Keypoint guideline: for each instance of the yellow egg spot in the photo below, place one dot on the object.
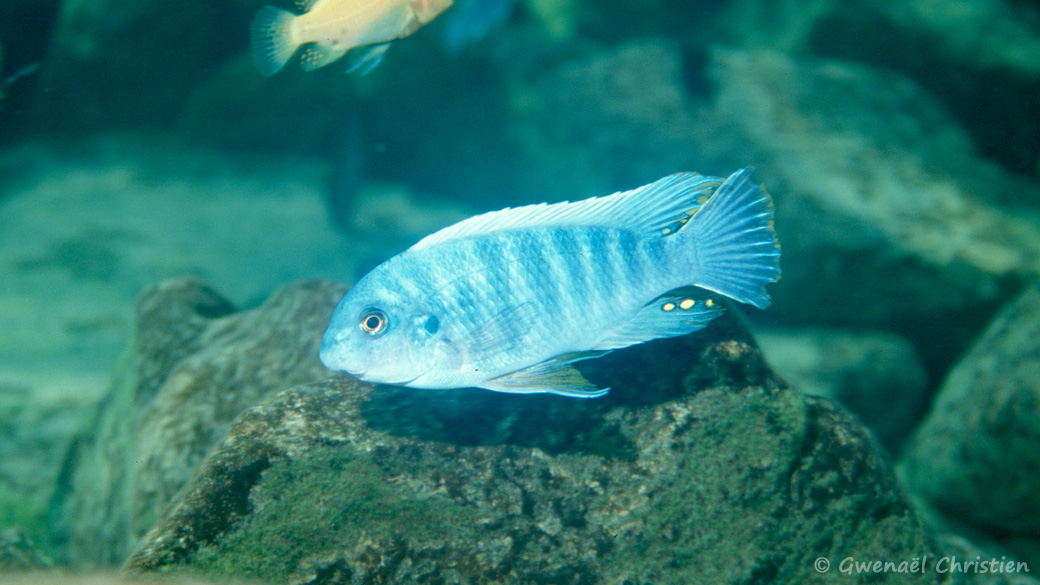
(709, 303)
(666, 231)
(686, 304)
(668, 306)
(703, 199)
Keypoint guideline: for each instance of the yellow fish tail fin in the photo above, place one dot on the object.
(272, 39)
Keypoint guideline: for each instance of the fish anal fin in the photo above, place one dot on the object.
(369, 58)
(316, 55)
(553, 376)
(670, 315)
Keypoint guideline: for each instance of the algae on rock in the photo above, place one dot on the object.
(700, 463)
(196, 364)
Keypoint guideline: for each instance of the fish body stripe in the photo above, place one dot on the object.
(568, 274)
(562, 302)
(586, 282)
(508, 299)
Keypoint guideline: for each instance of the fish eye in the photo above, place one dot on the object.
(433, 325)
(373, 322)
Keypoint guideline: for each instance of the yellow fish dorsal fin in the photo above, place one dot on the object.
(305, 5)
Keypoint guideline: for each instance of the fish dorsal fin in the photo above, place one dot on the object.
(660, 208)
(305, 5)
(553, 376)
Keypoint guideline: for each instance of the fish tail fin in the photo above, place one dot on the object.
(736, 246)
(271, 37)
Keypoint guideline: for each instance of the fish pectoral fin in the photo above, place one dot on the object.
(502, 331)
(669, 315)
(316, 56)
(553, 376)
(369, 59)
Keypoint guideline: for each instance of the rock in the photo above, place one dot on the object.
(37, 421)
(89, 223)
(963, 542)
(543, 119)
(64, 577)
(18, 553)
(606, 120)
(700, 465)
(975, 457)
(1002, 569)
(875, 375)
(196, 365)
(887, 218)
(981, 58)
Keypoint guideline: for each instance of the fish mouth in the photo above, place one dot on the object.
(360, 375)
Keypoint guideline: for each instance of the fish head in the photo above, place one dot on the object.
(378, 334)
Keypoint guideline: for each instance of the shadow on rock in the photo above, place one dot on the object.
(659, 371)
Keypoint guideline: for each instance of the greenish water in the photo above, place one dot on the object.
(139, 143)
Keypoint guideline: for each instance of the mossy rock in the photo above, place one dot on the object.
(700, 466)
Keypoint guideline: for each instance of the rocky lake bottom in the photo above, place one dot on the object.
(171, 250)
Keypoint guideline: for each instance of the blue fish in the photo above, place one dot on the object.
(509, 300)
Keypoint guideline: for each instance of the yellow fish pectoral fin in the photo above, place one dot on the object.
(316, 56)
(554, 376)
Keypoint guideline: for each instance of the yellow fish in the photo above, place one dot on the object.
(330, 28)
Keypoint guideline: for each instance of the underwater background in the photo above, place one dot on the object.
(175, 229)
